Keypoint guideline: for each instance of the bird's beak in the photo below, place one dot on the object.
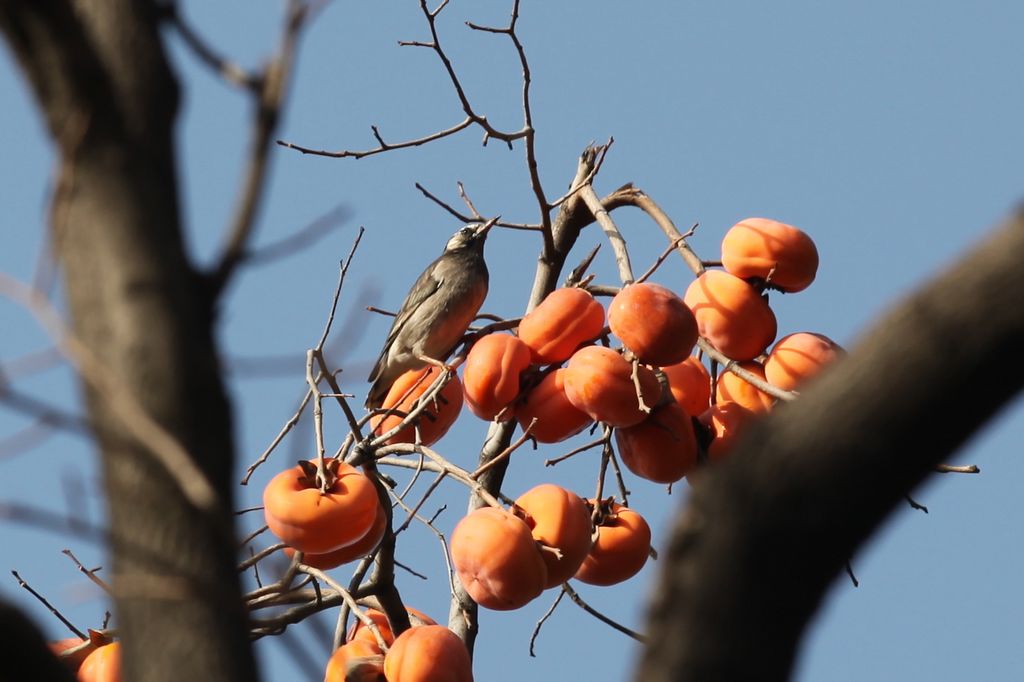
(483, 229)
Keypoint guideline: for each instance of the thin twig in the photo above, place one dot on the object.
(288, 425)
(606, 454)
(530, 137)
(232, 73)
(43, 412)
(466, 218)
(543, 619)
(422, 403)
(598, 154)
(664, 256)
(849, 572)
(640, 398)
(260, 556)
(429, 523)
(410, 570)
(600, 616)
(337, 289)
(914, 504)
(253, 535)
(46, 519)
(23, 440)
(341, 398)
(381, 311)
(301, 239)
(412, 481)
(506, 452)
(382, 146)
(353, 606)
(619, 480)
(953, 469)
(31, 363)
(89, 573)
(456, 472)
(751, 378)
(583, 448)
(469, 202)
(412, 513)
(576, 275)
(60, 616)
(269, 101)
(255, 567)
(635, 197)
(435, 45)
(318, 422)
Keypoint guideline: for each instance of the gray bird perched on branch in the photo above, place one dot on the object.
(437, 311)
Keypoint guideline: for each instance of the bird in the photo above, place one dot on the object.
(437, 310)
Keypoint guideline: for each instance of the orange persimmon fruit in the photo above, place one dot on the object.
(558, 518)
(102, 665)
(428, 653)
(497, 560)
(356, 550)
(565, 319)
(661, 448)
(72, 651)
(690, 384)
(756, 247)
(358, 631)
(621, 548)
(310, 521)
(491, 377)
(725, 422)
(731, 388)
(557, 418)
(798, 357)
(731, 314)
(434, 421)
(653, 322)
(356, 661)
(599, 382)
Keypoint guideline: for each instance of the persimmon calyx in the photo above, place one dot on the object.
(603, 511)
(311, 475)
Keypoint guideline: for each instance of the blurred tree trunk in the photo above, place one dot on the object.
(763, 536)
(101, 77)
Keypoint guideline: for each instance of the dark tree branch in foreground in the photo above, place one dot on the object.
(765, 534)
(29, 657)
(109, 98)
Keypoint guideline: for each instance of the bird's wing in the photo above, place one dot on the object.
(425, 287)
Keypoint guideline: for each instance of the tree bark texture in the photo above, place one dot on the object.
(764, 535)
(100, 74)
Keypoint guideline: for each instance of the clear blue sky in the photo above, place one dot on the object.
(888, 131)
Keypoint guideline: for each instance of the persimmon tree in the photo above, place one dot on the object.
(734, 595)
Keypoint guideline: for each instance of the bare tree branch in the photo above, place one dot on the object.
(382, 145)
(268, 102)
(228, 70)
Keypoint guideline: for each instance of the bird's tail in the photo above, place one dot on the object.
(378, 391)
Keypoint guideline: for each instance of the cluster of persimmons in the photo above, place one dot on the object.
(558, 373)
